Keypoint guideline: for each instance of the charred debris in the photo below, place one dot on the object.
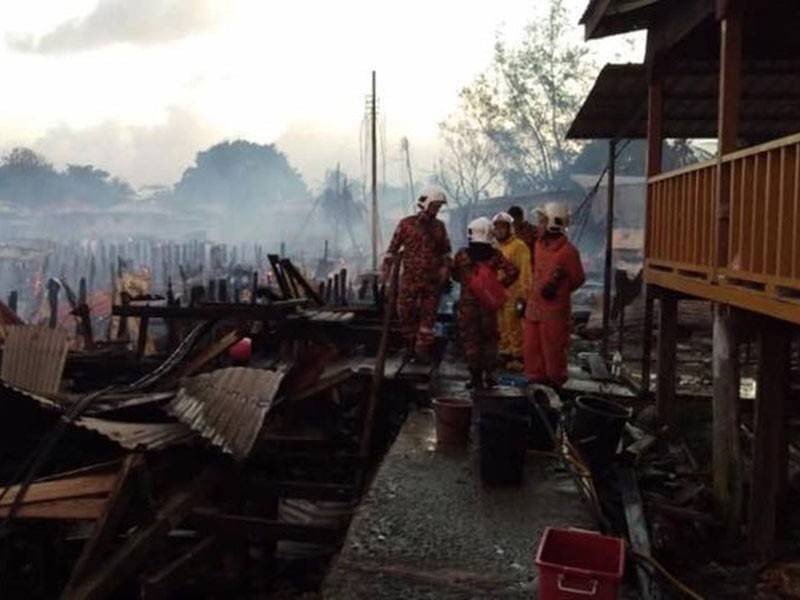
(194, 438)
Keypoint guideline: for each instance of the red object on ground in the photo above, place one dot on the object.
(487, 288)
(241, 352)
(575, 565)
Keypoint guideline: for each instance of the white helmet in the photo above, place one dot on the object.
(432, 194)
(557, 215)
(480, 231)
(503, 217)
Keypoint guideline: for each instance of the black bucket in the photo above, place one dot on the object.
(596, 429)
(502, 443)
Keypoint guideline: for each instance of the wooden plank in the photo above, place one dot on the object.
(252, 312)
(65, 509)
(165, 582)
(769, 468)
(73, 487)
(637, 530)
(647, 341)
(209, 353)
(727, 461)
(238, 526)
(667, 361)
(107, 524)
(126, 561)
(301, 281)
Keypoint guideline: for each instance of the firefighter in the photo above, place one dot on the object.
(477, 321)
(523, 229)
(509, 318)
(557, 272)
(425, 247)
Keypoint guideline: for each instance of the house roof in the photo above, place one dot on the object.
(616, 105)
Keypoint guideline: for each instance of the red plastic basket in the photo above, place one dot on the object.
(576, 565)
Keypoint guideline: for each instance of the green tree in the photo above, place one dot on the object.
(241, 175)
(525, 102)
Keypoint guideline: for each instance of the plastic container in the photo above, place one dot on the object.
(452, 419)
(539, 436)
(596, 429)
(577, 565)
(241, 352)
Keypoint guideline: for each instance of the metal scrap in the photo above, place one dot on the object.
(228, 406)
(34, 358)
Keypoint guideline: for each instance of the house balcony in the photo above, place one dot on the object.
(749, 257)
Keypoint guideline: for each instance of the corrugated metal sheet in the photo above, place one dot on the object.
(139, 436)
(228, 407)
(131, 436)
(34, 358)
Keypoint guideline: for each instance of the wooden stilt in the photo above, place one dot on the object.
(647, 340)
(667, 347)
(769, 443)
(725, 439)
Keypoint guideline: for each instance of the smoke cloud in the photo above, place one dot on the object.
(156, 154)
(121, 21)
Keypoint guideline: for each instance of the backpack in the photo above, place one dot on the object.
(485, 286)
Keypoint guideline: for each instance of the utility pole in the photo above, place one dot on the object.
(373, 108)
(405, 147)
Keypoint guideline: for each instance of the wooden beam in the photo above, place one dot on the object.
(655, 125)
(638, 534)
(105, 528)
(591, 21)
(73, 487)
(126, 561)
(727, 460)
(730, 95)
(647, 341)
(209, 312)
(609, 250)
(770, 448)
(165, 582)
(62, 509)
(667, 361)
(673, 25)
(237, 526)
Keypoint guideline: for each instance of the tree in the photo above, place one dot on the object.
(241, 175)
(470, 167)
(527, 99)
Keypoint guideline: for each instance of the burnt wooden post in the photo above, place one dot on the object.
(222, 286)
(141, 341)
(53, 288)
(212, 290)
(725, 429)
(13, 299)
(254, 287)
(343, 285)
(667, 361)
(337, 291)
(770, 449)
(122, 330)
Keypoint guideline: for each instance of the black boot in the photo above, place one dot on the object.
(475, 379)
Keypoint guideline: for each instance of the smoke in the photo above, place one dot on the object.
(155, 154)
(122, 21)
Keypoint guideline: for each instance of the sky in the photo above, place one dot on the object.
(137, 87)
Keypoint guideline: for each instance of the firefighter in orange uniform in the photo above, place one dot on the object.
(557, 272)
(477, 324)
(425, 247)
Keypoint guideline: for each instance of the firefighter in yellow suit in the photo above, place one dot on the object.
(509, 318)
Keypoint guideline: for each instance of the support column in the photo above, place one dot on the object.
(726, 447)
(647, 342)
(612, 159)
(667, 361)
(769, 474)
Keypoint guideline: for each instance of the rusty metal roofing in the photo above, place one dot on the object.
(131, 436)
(616, 105)
(34, 358)
(139, 436)
(228, 406)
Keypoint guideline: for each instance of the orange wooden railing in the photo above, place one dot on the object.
(758, 251)
(680, 219)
